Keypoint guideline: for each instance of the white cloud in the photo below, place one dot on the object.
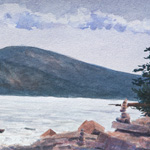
(139, 26)
(16, 16)
(101, 47)
(11, 8)
(82, 16)
(110, 48)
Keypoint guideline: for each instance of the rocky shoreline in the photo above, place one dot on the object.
(94, 138)
(90, 135)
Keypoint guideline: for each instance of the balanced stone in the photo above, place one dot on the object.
(124, 106)
(125, 118)
(81, 138)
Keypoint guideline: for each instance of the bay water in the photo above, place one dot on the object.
(17, 114)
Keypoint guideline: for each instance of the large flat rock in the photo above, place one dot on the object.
(139, 141)
(108, 142)
(142, 129)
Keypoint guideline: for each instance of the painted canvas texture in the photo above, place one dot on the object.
(64, 67)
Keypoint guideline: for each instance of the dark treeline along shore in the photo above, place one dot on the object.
(30, 71)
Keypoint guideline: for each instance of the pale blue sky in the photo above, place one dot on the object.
(109, 33)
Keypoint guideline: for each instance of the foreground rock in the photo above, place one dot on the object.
(118, 140)
(91, 127)
(69, 141)
(141, 142)
(137, 133)
(142, 121)
(48, 133)
(108, 142)
(134, 128)
(62, 141)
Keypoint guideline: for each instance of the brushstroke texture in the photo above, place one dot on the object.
(33, 71)
(82, 19)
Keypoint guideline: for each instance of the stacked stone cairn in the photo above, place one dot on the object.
(81, 138)
(125, 118)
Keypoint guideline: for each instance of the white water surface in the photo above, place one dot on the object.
(59, 114)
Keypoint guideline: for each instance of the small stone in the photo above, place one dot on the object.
(123, 120)
(81, 138)
(124, 106)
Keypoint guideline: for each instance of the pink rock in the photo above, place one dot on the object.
(91, 127)
(139, 141)
(117, 144)
(142, 121)
(107, 142)
(49, 132)
(135, 128)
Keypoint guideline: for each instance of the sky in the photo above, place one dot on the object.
(109, 33)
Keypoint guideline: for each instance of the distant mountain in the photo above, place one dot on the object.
(36, 72)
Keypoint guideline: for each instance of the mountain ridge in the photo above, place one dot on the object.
(37, 72)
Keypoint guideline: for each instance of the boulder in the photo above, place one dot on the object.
(49, 132)
(140, 141)
(91, 127)
(102, 140)
(143, 130)
(118, 144)
(142, 121)
(107, 142)
(125, 118)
